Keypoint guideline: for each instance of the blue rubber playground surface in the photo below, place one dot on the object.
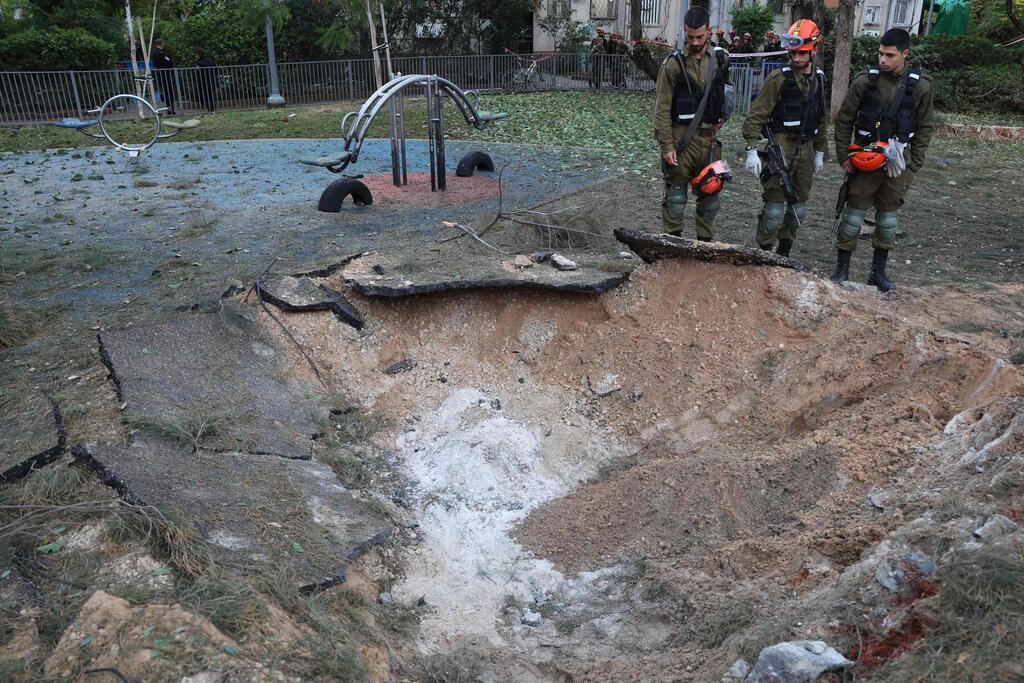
(85, 230)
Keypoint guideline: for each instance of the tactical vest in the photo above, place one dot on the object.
(687, 93)
(874, 125)
(796, 114)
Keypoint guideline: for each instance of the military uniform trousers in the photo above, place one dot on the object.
(800, 156)
(874, 190)
(691, 161)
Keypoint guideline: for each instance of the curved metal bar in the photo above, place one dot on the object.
(136, 149)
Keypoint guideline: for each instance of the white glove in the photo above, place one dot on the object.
(753, 162)
(895, 163)
(819, 162)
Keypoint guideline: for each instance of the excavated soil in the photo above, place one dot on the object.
(621, 486)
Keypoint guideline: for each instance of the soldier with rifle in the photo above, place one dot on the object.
(887, 109)
(790, 113)
(690, 106)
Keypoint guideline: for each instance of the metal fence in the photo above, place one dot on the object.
(47, 96)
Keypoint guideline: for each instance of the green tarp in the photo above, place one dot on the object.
(953, 17)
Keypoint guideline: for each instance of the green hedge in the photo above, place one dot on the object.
(222, 34)
(931, 54)
(977, 89)
(55, 49)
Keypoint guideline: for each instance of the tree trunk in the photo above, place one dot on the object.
(844, 51)
(1012, 16)
(373, 44)
(640, 52)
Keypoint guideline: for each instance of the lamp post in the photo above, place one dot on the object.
(275, 99)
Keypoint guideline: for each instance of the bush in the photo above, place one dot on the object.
(932, 54)
(973, 89)
(222, 34)
(755, 20)
(55, 49)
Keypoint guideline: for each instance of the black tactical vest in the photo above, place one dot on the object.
(796, 114)
(687, 93)
(875, 125)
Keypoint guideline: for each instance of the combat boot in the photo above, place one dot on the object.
(842, 271)
(877, 276)
(784, 247)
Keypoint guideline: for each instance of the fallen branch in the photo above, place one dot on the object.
(558, 227)
(472, 233)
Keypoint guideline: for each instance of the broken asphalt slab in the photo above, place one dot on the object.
(213, 376)
(253, 508)
(31, 435)
(300, 294)
(384, 275)
(651, 247)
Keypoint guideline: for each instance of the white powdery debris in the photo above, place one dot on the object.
(808, 296)
(478, 473)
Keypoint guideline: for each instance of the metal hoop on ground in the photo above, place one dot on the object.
(133, 149)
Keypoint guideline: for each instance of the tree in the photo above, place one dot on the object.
(567, 33)
(844, 51)
(641, 53)
(755, 20)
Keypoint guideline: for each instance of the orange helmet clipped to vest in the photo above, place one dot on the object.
(802, 36)
(711, 177)
(870, 158)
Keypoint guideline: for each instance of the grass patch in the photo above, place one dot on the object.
(168, 536)
(230, 602)
(18, 324)
(966, 326)
(185, 184)
(980, 614)
(191, 431)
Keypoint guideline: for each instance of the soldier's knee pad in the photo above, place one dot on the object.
(886, 223)
(709, 205)
(772, 215)
(800, 210)
(849, 228)
(675, 201)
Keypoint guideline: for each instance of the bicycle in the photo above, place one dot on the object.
(525, 77)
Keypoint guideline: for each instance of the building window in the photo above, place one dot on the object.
(871, 15)
(900, 13)
(558, 7)
(602, 9)
(650, 12)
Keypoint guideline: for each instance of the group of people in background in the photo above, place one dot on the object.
(206, 84)
(744, 43)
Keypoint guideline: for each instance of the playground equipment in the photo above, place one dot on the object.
(355, 125)
(122, 102)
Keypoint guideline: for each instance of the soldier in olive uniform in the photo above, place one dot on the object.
(887, 108)
(792, 104)
(679, 93)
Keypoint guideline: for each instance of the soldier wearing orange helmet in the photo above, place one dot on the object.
(886, 110)
(792, 104)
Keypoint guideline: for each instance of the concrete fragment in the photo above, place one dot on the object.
(343, 308)
(386, 599)
(297, 295)
(562, 263)
(522, 261)
(212, 370)
(737, 672)
(880, 499)
(532, 619)
(541, 256)
(996, 526)
(796, 661)
(31, 435)
(249, 508)
(606, 386)
(892, 573)
(400, 366)
(626, 255)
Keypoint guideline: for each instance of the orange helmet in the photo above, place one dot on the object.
(870, 158)
(711, 177)
(802, 36)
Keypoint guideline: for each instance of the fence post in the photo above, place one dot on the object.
(177, 90)
(423, 66)
(490, 69)
(351, 86)
(74, 88)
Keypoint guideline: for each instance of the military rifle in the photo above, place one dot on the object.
(776, 165)
(844, 192)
